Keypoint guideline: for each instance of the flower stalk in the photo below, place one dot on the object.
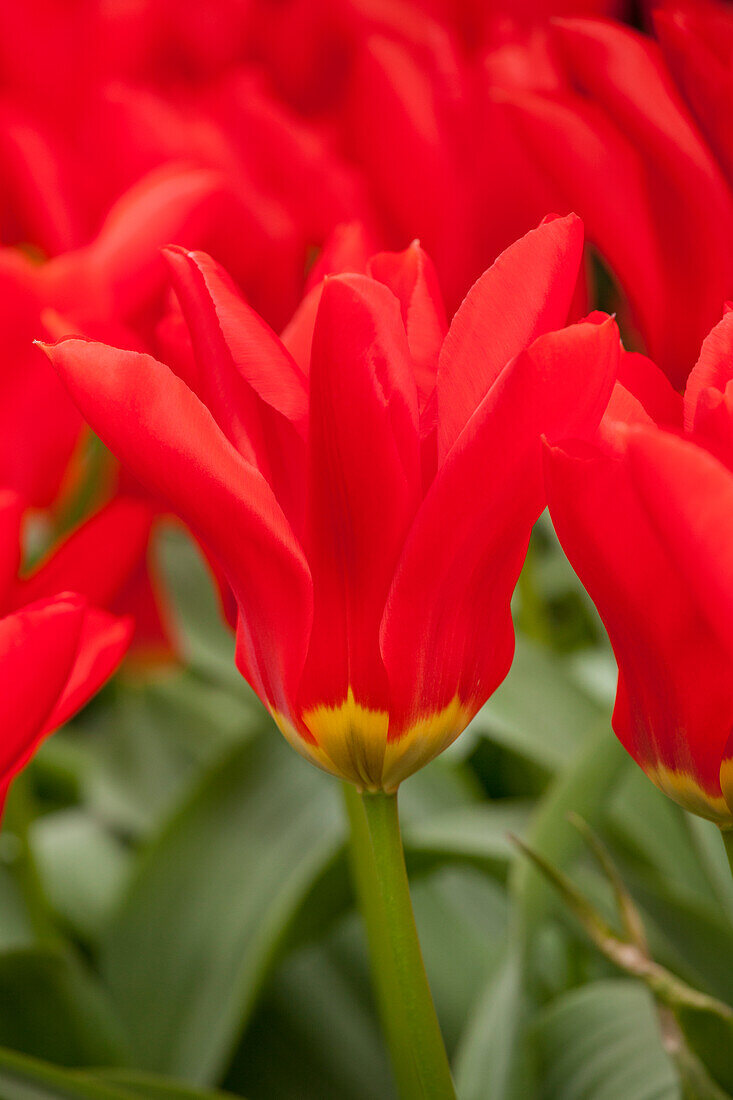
(407, 1011)
(727, 835)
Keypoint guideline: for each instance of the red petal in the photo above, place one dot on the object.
(527, 292)
(169, 441)
(245, 377)
(713, 369)
(674, 706)
(11, 513)
(97, 558)
(688, 495)
(103, 642)
(410, 275)
(38, 646)
(447, 628)
(364, 482)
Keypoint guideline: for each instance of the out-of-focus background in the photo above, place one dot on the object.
(176, 916)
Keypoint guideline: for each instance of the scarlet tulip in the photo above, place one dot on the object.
(646, 518)
(617, 141)
(371, 520)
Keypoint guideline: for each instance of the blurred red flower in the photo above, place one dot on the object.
(57, 647)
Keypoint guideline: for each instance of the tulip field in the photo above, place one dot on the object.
(366, 550)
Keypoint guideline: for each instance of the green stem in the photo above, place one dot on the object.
(727, 835)
(416, 1040)
(384, 979)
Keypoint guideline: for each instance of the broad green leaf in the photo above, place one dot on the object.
(23, 1078)
(52, 1008)
(494, 1048)
(315, 1035)
(461, 918)
(687, 936)
(495, 1057)
(149, 741)
(656, 836)
(602, 1042)
(539, 712)
(82, 867)
(195, 936)
(206, 640)
(153, 1087)
(477, 834)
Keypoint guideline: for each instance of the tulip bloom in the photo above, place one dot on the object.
(56, 648)
(372, 518)
(619, 143)
(646, 518)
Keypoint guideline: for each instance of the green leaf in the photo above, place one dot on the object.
(461, 918)
(315, 1035)
(602, 1042)
(146, 742)
(539, 712)
(205, 638)
(82, 867)
(152, 1087)
(495, 1059)
(475, 834)
(186, 955)
(52, 1008)
(23, 1078)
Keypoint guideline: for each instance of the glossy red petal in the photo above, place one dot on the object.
(688, 496)
(412, 278)
(713, 369)
(674, 705)
(103, 642)
(11, 513)
(38, 647)
(447, 630)
(170, 442)
(365, 482)
(245, 377)
(96, 559)
(526, 292)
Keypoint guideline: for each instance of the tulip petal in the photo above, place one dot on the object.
(103, 642)
(713, 369)
(688, 496)
(526, 292)
(365, 484)
(674, 704)
(446, 630)
(96, 559)
(38, 647)
(11, 513)
(411, 276)
(246, 378)
(170, 442)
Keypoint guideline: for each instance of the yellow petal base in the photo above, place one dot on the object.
(351, 741)
(685, 790)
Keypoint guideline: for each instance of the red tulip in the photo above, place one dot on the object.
(371, 519)
(618, 142)
(56, 647)
(646, 519)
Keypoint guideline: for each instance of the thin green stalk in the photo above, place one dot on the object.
(727, 835)
(384, 978)
(416, 1039)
